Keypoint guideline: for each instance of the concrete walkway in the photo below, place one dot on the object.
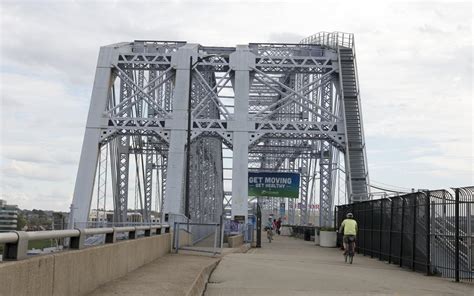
(172, 275)
(290, 266)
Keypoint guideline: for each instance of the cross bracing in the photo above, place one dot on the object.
(276, 107)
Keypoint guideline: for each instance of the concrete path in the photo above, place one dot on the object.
(169, 275)
(290, 266)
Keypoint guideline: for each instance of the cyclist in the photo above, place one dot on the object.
(349, 225)
(269, 229)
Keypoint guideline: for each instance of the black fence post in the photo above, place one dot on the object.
(259, 225)
(355, 212)
(372, 249)
(401, 232)
(456, 235)
(428, 233)
(390, 232)
(381, 229)
(362, 228)
(413, 240)
(336, 226)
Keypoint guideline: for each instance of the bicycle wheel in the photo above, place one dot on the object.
(351, 253)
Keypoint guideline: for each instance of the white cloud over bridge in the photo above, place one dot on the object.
(415, 72)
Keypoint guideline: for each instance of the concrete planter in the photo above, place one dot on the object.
(327, 239)
(316, 239)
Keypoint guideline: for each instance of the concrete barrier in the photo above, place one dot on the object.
(27, 277)
(235, 241)
(327, 239)
(82, 271)
(199, 285)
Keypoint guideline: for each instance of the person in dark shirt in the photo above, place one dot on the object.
(278, 225)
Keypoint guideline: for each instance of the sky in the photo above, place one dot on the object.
(415, 62)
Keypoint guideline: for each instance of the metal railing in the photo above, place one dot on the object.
(201, 237)
(331, 39)
(236, 228)
(102, 224)
(429, 231)
(233, 227)
(303, 231)
(16, 243)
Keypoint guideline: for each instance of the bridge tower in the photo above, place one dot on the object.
(276, 107)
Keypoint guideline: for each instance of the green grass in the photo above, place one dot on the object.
(40, 244)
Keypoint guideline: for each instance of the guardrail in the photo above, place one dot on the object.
(105, 224)
(303, 231)
(331, 39)
(16, 243)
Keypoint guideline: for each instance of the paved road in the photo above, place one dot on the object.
(293, 267)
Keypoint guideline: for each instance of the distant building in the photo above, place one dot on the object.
(108, 216)
(155, 219)
(8, 216)
(101, 216)
(134, 217)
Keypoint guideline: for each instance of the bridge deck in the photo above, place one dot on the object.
(287, 266)
(291, 266)
(168, 275)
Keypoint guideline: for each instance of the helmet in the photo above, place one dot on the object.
(349, 215)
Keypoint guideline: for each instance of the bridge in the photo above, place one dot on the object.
(148, 266)
(174, 117)
(189, 149)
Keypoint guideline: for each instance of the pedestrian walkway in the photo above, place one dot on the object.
(290, 266)
(172, 274)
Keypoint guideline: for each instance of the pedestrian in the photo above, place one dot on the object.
(278, 225)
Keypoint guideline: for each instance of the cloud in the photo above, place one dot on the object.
(34, 171)
(40, 154)
(285, 37)
(414, 60)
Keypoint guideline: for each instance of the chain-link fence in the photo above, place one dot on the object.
(429, 231)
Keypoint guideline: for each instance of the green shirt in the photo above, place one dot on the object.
(350, 227)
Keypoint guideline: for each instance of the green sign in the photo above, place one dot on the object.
(274, 184)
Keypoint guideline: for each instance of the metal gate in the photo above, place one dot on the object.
(198, 237)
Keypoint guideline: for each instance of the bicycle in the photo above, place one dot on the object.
(349, 254)
(269, 234)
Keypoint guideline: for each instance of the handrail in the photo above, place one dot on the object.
(52, 234)
(102, 224)
(104, 230)
(16, 242)
(331, 39)
(8, 237)
(171, 215)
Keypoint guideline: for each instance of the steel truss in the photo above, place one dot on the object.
(278, 107)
